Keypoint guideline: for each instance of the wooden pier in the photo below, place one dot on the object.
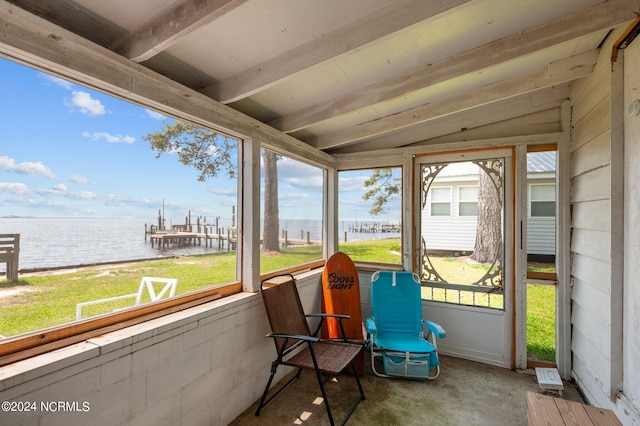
(180, 235)
(164, 239)
(375, 227)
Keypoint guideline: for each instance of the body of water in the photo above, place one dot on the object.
(48, 243)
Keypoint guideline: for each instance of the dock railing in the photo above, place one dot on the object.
(10, 253)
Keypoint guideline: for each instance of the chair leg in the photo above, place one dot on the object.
(264, 401)
(274, 368)
(361, 397)
(324, 396)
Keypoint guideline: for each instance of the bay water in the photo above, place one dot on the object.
(49, 243)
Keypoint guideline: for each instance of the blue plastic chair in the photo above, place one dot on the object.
(403, 343)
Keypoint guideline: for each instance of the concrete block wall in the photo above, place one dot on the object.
(203, 365)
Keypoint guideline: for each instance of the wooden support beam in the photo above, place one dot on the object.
(371, 28)
(566, 70)
(169, 27)
(603, 16)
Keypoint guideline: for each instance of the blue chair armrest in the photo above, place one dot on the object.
(435, 329)
(371, 326)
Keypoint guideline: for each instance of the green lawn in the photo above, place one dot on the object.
(541, 324)
(48, 299)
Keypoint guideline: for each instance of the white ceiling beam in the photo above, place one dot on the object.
(374, 27)
(355, 160)
(565, 70)
(603, 16)
(36, 42)
(471, 119)
(169, 27)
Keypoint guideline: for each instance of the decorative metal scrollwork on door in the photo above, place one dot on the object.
(488, 249)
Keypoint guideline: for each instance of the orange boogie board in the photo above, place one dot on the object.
(341, 295)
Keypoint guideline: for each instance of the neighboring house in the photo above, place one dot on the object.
(450, 215)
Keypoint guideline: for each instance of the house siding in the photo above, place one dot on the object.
(591, 235)
(595, 360)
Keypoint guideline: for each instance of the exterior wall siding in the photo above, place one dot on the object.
(591, 233)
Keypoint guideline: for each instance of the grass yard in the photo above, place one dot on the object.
(49, 299)
(541, 322)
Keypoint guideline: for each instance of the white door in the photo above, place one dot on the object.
(464, 204)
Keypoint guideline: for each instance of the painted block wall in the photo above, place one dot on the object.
(204, 365)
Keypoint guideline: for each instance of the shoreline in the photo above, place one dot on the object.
(70, 268)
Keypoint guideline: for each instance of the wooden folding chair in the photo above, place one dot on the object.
(297, 347)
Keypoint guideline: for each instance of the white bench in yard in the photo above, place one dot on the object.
(9, 254)
(147, 283)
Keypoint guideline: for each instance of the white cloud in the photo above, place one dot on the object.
(80, 180)
(219, 191)
(60, 190)
(154, 115)
(14, 187)
(86, 104)
(57, 81)
(293, 196)
(96, 136)
(118, 200)
(350, 184)
(25, 168)
(313, 183)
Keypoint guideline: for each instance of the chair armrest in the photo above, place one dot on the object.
(322, 317)
(371, 326)
(435, 329)
(294, 336)
(339, 316)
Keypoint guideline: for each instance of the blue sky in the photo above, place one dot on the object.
(68, 151)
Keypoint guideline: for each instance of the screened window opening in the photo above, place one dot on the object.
(114, 193)
(541, 221)
(370, 214)
(291, 212)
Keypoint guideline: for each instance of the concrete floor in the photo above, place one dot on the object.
(466, 393)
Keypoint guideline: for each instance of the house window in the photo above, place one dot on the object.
(543, 200)
(291, 212)
(370, 214)
(440, 201)
(468, 201)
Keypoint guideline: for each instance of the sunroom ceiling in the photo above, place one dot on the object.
(357, 75)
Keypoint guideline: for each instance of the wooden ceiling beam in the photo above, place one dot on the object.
(603, 16)
(371, 28)
(169, 27)
(556, 73)
(474, 118)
